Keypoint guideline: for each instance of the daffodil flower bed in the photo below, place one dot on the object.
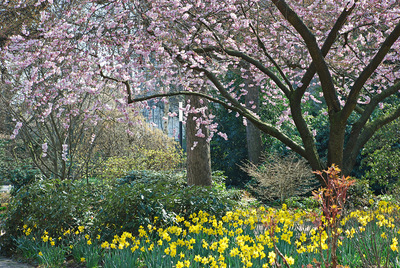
(263, 237)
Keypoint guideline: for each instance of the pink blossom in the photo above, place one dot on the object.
(194, 145)
(223, 135)
(200, 134)
(18, 126)
(314, 132)
(44, 149)
(64, 152)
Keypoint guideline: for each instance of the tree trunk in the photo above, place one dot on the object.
(198, 149)
(253, 134)
(166, 117)
(336, 141)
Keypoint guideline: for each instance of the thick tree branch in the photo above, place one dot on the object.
(368, 71)
(329, 41)
(315, 53)
(261, 67)
(237, 107)
(365, 116)
(295, 101)
(186, 93)
(267, 128)
(250, 60)
(367, 133)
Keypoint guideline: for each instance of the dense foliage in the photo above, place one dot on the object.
(327, 236)
(382, 158)
(227, 155)
(114, 207)
(158, 159)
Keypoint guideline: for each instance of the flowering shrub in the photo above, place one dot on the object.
(263, 237)
(122, 206)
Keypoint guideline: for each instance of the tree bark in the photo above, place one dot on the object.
(166, 117)
(336, 140)
(198, 149)
(253, 134)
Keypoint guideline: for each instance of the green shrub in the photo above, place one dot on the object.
(51, 204)
(302, 202)
(163, 159)
(21, 176)
(129, 206)
(139, 199)
(146, 197)
(149, 176)
(381, 158)
(359, 194)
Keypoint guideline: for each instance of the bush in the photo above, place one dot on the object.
(278, 178)
(21, 176)
(308, 203)
(51, 204)
(146, 197)
(143, 147)
(359, 194)
(129, 206)
(162, 159)
(141, 198)
(149, 176)
(381, 160)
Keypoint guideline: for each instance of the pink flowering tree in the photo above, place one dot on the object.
(60, 142)
(342, 55)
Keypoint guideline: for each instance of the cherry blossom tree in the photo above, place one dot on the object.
(342, 55)
(16, 16)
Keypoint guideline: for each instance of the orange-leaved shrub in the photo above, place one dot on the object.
(332, 199)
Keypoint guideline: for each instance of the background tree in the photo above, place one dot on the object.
(18, 17)
(198, 143)
(342, 54)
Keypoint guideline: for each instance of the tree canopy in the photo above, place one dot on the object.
(342, 55)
